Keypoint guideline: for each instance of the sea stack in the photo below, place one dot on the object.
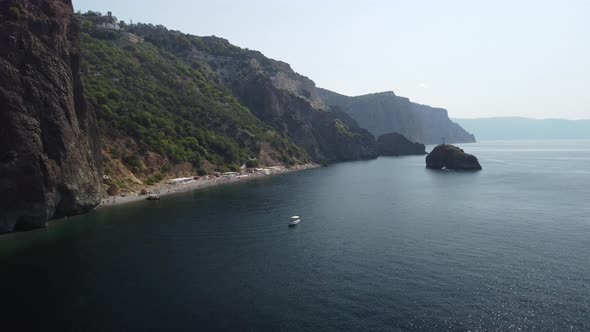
(451, 157)
(396, 144)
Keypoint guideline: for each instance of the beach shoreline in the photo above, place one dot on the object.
(167, 189)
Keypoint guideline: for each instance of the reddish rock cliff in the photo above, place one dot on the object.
(49, 154)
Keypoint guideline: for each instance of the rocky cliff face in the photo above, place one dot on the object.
(277, 95)
(49, 161)
(324, 133)
(385, 112)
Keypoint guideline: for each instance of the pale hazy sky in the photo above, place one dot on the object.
(475, 58)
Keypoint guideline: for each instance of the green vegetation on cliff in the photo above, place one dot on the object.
(277, 95)
(166, 106)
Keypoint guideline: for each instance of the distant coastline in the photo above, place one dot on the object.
(515, 128)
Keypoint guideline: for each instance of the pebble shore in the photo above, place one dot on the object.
(164, 189)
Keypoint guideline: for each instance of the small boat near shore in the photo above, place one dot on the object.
(294, 220)
(153, 198)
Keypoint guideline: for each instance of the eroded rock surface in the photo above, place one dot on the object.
(49, 153)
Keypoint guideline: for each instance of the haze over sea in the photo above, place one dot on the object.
(383, 244)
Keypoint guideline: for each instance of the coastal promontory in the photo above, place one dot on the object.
(396, 144)
(385, 112)
(451, 157)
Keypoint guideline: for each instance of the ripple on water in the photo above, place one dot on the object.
(383, 245)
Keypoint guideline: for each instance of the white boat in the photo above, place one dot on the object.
(294, 220)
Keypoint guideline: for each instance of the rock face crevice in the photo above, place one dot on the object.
(49, 147)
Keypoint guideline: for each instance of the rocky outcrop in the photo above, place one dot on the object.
(384, 112)
(289, 102)
(395, 144)
(451, 157)
(325, 134)
(49, 153)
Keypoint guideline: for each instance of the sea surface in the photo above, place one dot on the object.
(383, 245)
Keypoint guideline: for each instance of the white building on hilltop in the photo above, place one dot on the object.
(110, 23)
(109, 26)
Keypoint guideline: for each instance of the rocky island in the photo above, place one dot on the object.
(451, 157)
(396, 144)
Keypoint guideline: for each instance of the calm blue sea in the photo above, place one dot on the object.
(383, 244)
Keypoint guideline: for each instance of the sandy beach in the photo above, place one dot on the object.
(165, 188)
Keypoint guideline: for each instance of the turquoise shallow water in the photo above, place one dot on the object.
(383, 245)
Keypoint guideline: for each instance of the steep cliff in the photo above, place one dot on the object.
(273, 92)
(385, 112)
(49, 165)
